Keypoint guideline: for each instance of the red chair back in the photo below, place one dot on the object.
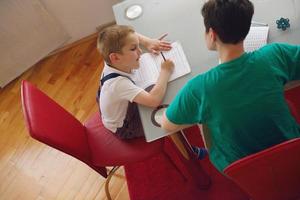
(51, 124)
(272, 174)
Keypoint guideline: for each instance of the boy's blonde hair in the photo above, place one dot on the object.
(112, 39)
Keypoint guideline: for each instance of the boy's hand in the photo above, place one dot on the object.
(167, 66)
(155, 46)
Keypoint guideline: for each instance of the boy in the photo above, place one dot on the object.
(241, 100)
(119, 46)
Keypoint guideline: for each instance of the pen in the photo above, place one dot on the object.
(259, 23)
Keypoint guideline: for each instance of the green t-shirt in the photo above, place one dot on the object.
(242, 103)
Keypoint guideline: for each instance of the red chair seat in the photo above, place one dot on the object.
(114, 151)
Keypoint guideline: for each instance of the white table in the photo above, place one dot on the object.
(184, 22)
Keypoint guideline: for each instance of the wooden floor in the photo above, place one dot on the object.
(31, 170)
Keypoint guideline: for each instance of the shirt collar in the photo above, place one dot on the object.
(108, 70)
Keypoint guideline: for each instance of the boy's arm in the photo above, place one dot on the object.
(157, 93)
(154, 45)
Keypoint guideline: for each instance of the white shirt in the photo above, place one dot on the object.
(115, 95)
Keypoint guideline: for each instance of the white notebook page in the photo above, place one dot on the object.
(150, 65)
(256, 38)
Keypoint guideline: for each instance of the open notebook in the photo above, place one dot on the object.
(256, 38)
(150, 65)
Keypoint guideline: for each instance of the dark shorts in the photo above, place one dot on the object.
(132, 127)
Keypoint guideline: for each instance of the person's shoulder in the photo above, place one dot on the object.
(281, 45)
(277, 49)
(204, 77)
(195, 80)
(123, 79)
(267, 51)
(276, 46)
(200, 81)
(118, 83)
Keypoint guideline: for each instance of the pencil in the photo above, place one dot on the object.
(163, 56)
(160, 38)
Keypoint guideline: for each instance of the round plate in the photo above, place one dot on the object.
(134, 11)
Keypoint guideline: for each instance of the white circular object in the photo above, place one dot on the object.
(159, 115)
(134, 11)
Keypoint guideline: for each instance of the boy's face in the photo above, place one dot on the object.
(131, 52)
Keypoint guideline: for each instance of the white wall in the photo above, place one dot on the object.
(27, 33)
(31, 29)
(81, 17)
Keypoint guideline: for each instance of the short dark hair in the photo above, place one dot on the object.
(230, 19)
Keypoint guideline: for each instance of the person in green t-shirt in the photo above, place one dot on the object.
(241, 101)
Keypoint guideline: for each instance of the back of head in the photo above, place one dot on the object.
(112, 39)
(230, 19)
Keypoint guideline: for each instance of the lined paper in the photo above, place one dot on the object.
(150, 65)
(256, 38)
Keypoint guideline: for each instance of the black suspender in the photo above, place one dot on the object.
(105, 78)
(109, 76)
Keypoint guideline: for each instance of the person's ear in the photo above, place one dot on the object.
(114, 57)
(212, 34)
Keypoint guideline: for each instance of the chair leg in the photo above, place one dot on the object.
(111, 173)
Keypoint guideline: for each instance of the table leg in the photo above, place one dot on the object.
(194, 171)
(179, 144)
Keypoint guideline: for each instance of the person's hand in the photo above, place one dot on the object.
(167, 66)
(157, 45)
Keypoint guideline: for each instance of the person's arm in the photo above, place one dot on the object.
(184, 110)
(154, 45)
(156, 95)
(292, 60)
(170, 127)
(285, 60)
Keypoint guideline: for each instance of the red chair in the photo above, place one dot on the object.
(274, 173)
(91, 143)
